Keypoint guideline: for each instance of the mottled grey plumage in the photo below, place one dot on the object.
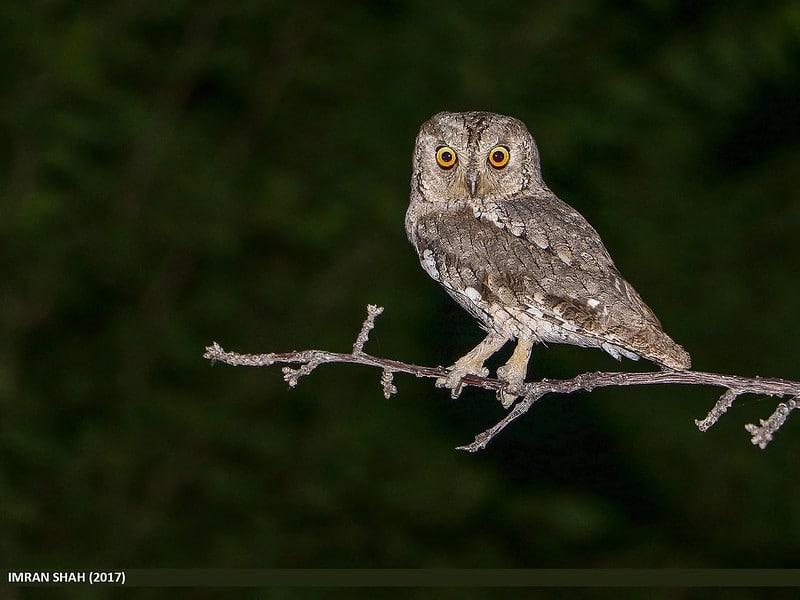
(525, 264)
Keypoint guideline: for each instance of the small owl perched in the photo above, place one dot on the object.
(528, 266)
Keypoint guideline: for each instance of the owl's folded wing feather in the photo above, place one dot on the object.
(578, 280)
(539, 255)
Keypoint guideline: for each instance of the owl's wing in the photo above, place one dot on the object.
(568, 255)
(538, 255)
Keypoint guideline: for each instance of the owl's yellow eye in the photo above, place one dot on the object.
(498, 157)
(445, 156)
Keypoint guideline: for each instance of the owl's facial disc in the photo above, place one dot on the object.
(497, 158)
(476, 155)
(478, 174)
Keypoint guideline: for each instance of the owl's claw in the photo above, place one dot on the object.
(455, 378)
(471, 364)
(512, 374)
(512, 385)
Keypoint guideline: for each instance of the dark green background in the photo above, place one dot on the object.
(180, 172)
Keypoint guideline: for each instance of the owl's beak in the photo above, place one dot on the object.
(472, 183)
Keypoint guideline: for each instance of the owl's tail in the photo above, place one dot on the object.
(677, 358)
(663, 350)
(654, 345)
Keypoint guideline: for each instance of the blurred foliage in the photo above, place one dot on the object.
(180, 172)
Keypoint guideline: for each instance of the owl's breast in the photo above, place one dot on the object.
(507, 282)
(460, 253)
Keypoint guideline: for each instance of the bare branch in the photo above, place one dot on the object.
(530, 393)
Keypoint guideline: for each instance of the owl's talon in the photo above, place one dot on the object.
(455, 386)
(509, 392)
(513, 378)
(455, 379)
(507, 395)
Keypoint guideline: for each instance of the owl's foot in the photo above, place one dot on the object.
(455, 378)
(512, 385)
(471, 364)
(512, 374)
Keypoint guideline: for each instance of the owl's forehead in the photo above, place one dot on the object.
(473, 129)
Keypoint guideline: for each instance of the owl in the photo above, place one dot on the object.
(524, 263)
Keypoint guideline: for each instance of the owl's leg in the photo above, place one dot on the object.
(471, 363)
(513, 372)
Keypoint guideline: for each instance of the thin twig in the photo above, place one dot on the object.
(734, 385)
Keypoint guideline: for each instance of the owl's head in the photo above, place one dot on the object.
(474, 155)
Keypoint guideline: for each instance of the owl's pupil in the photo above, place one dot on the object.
(446, 156)
(497, 157)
